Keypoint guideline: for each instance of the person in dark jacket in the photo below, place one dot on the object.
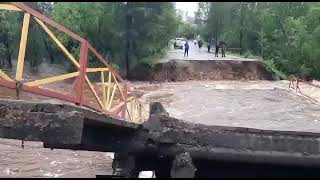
(216, 53)
(200, 44)
(186, 49)
(209, 46)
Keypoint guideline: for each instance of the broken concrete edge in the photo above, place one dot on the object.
(63, 127)
(159, 121)
(159, 118)
(164, 129)
(91, 116)
(60, 125)
(169, 136)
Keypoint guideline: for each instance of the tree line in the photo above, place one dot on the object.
(126, 33)
(287, 34)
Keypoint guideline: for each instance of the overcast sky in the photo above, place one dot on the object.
(191, 7)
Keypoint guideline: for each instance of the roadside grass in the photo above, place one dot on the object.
(245, 55)
(269, 64)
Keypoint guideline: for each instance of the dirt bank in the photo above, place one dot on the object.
(178, 70)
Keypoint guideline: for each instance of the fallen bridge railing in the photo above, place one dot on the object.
(295, 85)
(113, 99)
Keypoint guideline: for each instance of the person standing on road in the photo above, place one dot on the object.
(223, 46)
(216, 54)
(209, 46)
(186, 49)
(195, 42)
(200, 44)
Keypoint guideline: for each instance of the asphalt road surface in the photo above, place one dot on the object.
(198, 54)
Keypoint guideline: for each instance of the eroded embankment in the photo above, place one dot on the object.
(180, 70)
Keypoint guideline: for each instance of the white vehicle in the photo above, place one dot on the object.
(179, 43)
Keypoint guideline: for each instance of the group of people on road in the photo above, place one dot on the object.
(221, 45)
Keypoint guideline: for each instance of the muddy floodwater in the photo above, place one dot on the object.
(256, 104)
(35, 161)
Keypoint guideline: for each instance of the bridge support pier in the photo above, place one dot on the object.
(125, 165)
(183, 167)
(129, 166)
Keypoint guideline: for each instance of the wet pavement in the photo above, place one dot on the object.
(198, 54)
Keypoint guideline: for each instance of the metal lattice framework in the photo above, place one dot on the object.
(129, 108)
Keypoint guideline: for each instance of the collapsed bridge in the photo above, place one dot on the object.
(112, 121)
(154, 144)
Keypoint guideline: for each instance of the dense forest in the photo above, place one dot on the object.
(286, 34)
(125, 33)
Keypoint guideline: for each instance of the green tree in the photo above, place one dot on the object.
(126, 33)
(287, 33)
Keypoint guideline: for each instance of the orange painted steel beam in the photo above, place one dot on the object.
(8, 84)
(104, 62)
(44, 18)
(112, 95)
(38, 91)
(97, 69)
(108, 90)
(103, 86)
(93, 91)
(48, 93)
(81, 77)
(125, 106)
(115, 80)
(23, 45)
(59, 77)
(60, 45)
(52, 79)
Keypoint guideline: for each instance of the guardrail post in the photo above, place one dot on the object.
(83, 67)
